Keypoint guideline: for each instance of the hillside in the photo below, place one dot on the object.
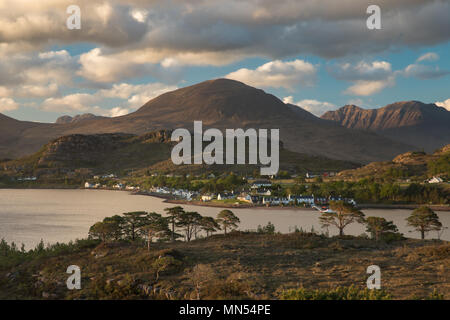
(221, 104)
(103, 153)
(412, 165)
(425, 126)
(240, 265)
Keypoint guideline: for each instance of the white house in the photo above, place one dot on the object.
(435, 180)
(207, 197)
(263, 192)
(88, 185)
(261, 183)
(245, 197)
(301, 199)
(223, 196)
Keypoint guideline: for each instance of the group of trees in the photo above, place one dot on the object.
(218, 184)
(342, 214)
(370, 191)
(177, 223)
(142, 225)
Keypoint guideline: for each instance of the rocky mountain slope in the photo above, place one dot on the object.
(425, 126)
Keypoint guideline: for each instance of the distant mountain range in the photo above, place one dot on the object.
(220, 103)
(426, 126)
(77, 118)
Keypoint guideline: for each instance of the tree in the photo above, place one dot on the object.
(209, 225)
(162, 263)
(228, 220)
(117, 225)
(200, 275)
(133, 221)
(154, 226)
(424, 219)
(190, 222)
(341, 216)
(378, 226)
(174, 214)
(102, 230)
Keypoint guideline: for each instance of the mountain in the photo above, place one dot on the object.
(426, 126)
(224, 103)
(77, 118)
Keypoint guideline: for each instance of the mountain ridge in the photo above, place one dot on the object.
(222, 104)
(426, 126)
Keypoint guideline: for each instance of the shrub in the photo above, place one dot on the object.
(339, 293)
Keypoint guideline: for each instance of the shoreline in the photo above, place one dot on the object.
(251, 206)
(172, 200)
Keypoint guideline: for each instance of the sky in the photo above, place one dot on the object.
(319, 55)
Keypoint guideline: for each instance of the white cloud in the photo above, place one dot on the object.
(37, 91)
(8, 104)
(77, 102)
(316, 107)
(133, 96)
(430, 56)
(277, 74)
(102, 68)
(367, 77)
(368, 87)
(368, 71)
(137, 95)
(445, 104)
(118, 111)
(424, 72)
(139, 15)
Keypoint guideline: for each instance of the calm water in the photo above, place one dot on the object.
(26, 216)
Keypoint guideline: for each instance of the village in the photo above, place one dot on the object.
(256, 193)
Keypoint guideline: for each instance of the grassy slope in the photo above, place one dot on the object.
(240, 265)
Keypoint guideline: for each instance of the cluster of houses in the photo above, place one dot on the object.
(117, 186)
(260, 194)
(26, 178)
(306, 200)
(179, 193)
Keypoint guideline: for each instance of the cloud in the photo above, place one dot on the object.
(368, 71)
(37, 91)
(277, 74)
(368, 87)
(8, 104)
(118, 111)
(132, 96)
(77, 102)
(274, 30)
(316, 107)
(445, 104)
(368, 78)
(136, 95)
(36, 74)
(430, 56)
(102, 68)
(424, 72)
